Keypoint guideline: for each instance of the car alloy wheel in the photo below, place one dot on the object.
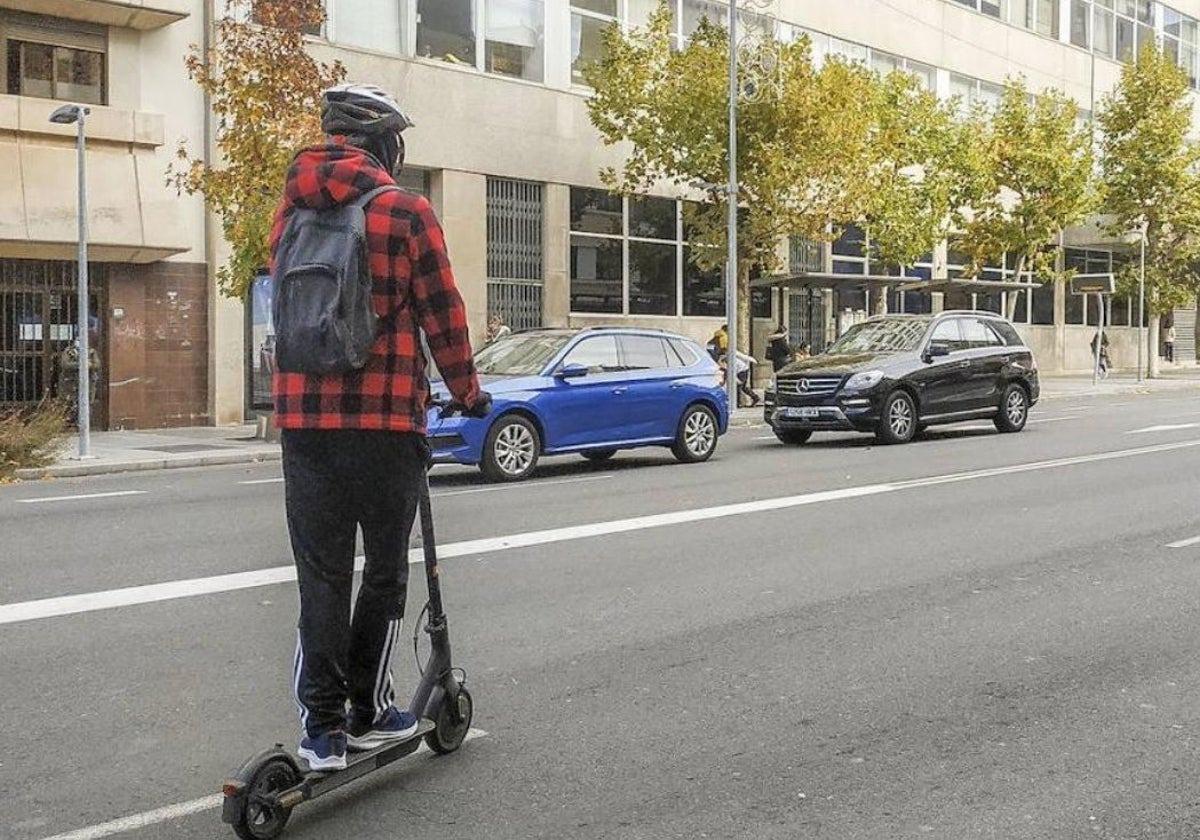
(1015, 407)
(514, 449)
(699, 432)
(900, 418)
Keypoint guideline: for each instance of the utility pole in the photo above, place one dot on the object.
(66, 115)
(731, 262)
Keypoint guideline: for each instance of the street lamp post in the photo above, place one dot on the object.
(1142, 304)
(731, 266)
(66, 115)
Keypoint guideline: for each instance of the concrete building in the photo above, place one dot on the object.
(504, 149)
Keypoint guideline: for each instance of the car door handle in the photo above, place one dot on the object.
(620, 390)
(963, 364)
(676, 385)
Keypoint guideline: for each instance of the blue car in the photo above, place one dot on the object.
(591, 392)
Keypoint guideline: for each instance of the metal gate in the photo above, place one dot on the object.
(38, 308)
(806, 319)
(515, 263)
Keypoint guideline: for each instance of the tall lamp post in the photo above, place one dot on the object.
(731, 262)
(1142, 348)
(66, 115)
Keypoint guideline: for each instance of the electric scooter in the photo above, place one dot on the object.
(260, 796)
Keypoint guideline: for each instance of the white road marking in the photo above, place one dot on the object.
(531, 485)
(1167, 427)
(1055, 419)
(129, 596)
(1184, 543)
(181, 809)
(80, 497)
(525, 486)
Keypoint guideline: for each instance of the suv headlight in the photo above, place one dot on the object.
(864, 380)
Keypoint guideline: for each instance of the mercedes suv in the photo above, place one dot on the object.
(894, 375)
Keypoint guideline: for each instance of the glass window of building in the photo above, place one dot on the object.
(653, 256)
(373, 24)
(446, 30)
(589, 20)
(514, 38)
(56, 61)
(696, 10)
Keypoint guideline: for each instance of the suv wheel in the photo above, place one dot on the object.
(511, 450)
(696, 438)
(793, 437)
(1014, 409)
(898, 419)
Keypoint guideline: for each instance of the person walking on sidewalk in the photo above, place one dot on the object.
(1104, 362)
(779, 351)
(354, 448)
(1170, 342)
(718, 345)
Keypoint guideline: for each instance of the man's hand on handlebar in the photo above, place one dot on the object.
(479, 409)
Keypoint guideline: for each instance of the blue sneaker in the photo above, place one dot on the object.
(390, 727)
(326, 751)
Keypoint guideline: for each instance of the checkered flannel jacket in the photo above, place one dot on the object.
(413, 289)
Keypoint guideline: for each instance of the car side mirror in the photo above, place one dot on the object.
(936, 349)
(571, 371)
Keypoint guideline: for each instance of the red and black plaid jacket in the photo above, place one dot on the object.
(414, 289)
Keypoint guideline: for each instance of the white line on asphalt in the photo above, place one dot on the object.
(1168, 427)
(1184, 543)
(180, 809)
(80, 497)
(1055, 419)
(129, 596)
(532, 485)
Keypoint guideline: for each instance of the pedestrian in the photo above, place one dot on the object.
(354, 447)
(496, 328)
(745, 370)
(718, 345)
(1171, 343)
(779, 351)
(1104, 361)
(803, 352)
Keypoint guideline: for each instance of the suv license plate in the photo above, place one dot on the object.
(807, 413)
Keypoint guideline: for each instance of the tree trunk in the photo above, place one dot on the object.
(745, 322)
(1011, 305)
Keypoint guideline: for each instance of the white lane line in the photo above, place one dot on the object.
(1055, 419)
(129, 596)
(1167, 427)
(181, 809)
(532, 485)
(80, 497)
(1184, 543)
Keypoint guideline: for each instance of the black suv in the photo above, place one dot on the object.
(896, 374)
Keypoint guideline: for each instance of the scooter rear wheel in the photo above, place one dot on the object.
(262, 818)
(450, 730)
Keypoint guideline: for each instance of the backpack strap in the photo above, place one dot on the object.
(367, 197)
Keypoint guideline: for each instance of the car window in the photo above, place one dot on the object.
(1007, 332)
(977, 334)
(947, 332)
(598, 354)
(686, 352)
(644, 352)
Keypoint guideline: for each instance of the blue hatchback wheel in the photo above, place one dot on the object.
(512, 449)
(696, 438)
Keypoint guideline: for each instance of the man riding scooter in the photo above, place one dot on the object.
(354, 450)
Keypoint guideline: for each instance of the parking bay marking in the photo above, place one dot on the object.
(151, 593)
(1166, 427)
(181, 809)
(80, 497)
(1184, 543)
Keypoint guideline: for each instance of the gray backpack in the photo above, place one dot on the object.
(325, 321)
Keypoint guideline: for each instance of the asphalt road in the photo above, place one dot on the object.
(973, 636)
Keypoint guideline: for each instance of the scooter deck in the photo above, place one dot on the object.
(319, 782)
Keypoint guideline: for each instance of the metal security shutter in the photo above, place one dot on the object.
(515, 263)
(1185, 335)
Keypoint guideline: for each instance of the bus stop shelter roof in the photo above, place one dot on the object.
(822, 280)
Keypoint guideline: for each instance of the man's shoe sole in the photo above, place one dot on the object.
(333, 762)
(376, 738)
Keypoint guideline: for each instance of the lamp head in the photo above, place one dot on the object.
(67, 114)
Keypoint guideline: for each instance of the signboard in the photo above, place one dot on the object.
(1093, 284)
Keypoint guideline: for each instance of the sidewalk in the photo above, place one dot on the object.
(161, 449)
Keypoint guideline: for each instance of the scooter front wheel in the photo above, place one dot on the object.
(262, 817)
(451, 724)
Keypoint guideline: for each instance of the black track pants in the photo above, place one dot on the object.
(337, 481)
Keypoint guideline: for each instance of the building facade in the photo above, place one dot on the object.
(504, 149)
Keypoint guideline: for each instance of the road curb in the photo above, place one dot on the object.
(211, 459)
